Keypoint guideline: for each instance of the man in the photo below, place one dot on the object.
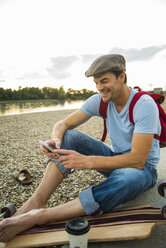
(129, 164)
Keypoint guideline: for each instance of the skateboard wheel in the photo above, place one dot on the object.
(160, 186)
(163, 209)
(9, 209)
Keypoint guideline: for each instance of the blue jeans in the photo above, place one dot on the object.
(120, 186)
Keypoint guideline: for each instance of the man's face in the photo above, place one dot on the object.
(109, 86)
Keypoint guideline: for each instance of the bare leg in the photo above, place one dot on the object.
(14, 225)
(52, 178)
(10, 227)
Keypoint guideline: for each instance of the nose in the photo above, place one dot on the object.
(99, 86)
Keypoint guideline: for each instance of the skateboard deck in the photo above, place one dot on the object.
(120, 224)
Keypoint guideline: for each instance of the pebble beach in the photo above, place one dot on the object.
(20, 149)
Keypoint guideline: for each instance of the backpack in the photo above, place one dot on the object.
(158, 98)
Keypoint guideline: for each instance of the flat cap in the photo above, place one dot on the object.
(105, 63)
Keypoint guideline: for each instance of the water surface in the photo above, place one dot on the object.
(22, 107)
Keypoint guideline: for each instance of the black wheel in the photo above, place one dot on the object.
(163, 209)
(160, 186)
(9, 210)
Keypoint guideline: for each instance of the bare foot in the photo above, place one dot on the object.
(10, 227)
(30, 204)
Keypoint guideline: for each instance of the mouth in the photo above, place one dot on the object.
(105, 92)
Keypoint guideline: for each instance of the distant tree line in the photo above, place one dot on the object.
(29, 93)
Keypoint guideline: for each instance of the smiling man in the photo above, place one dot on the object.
(129, 164)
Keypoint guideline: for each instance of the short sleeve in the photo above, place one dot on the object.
(91, 105)
(146, 116)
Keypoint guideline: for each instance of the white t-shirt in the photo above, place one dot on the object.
(120, 129)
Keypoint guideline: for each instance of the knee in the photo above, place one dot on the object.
(123, 177)
(132, 181)
(126, 176)
(57, 168)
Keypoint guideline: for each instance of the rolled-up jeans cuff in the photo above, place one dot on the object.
(61, 167)
(90, 206)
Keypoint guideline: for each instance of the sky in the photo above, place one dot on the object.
(53, 42)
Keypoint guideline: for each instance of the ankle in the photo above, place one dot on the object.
(39, 201)
(40, 215)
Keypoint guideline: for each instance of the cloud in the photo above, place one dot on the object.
(1, 73)
(16, 74)
(30, 75)
(87, 58)
(60, 65)
(133, 54)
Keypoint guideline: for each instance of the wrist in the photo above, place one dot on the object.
(57, 141)
(90, 162)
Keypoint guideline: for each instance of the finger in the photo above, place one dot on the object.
(52, 155)
(67, 164)
(44, 149)
(51, 143)
(57, 143)
(56, 155)
(2, 235)
(63, 151)
(46, 152)
(62, 159)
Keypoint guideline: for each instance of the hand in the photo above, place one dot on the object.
(73, 159)
(52, 144)
(57, 142)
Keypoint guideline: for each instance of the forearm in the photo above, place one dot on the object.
(128, 160)
(58, 130)
(140, 149)
(72, 121)
(75, 160)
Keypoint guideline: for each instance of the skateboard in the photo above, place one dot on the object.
(120, 224)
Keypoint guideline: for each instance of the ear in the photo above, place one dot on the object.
(122, 77)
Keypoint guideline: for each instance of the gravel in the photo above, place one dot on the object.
(20, 149)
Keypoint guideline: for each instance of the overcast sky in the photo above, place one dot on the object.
(53, 42)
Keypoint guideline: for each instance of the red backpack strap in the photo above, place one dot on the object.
(162, 117)
(137, 88)
(103, 113)
(157, 97)
(133, 102)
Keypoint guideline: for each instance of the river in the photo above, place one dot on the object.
(22, 107)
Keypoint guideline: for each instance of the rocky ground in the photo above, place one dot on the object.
(20, 149)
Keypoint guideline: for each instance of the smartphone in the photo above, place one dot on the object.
(49, 148)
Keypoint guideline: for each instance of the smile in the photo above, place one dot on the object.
(105, 92)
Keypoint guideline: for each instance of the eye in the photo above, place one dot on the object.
(105, 81)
